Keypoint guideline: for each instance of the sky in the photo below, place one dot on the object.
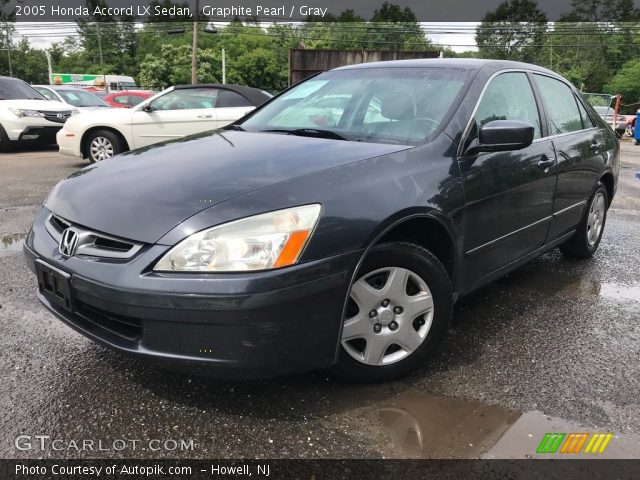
(459, 36)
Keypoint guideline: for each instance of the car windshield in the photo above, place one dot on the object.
(80, 98)
(386, 105)
(13, 89)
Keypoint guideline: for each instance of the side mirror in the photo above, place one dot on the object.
(502, 136)
(147, 107)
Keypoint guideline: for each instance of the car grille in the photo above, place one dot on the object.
(91, 243)
(57, 117)
(128, 328)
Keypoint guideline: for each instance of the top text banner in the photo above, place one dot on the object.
(258, 10)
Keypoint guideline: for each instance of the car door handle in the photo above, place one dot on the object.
(595, 146)
(544, 163)
(205, 116)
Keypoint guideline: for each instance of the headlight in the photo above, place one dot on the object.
(18, 112)
(270, 240)
(75, 111)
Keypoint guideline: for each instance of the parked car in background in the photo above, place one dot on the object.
(76, 97)
(27, 116)
(128, 98)
(607, 114)
(273, 246)
(173, 113)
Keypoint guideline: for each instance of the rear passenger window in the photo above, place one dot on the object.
(508, 97)
(561, 106)
(227, 98)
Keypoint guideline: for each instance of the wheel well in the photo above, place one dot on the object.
(607, 181)
(428, 233)
(83, 143)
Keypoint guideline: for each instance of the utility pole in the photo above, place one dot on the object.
(100, 49)
(194, 52)
(48, 54)
(8, 49)
(224, 66)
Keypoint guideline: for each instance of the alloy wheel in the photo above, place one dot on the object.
(101, 148)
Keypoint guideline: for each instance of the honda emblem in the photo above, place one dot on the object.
(69, 242)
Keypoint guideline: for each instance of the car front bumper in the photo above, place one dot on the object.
(243, 325)
(68, 143)
(29, 129)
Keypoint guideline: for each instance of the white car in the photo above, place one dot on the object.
(173, 113)
(26, 116)
(73, 96)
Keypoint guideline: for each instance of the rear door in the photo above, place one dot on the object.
(580, 147)
(508, 195)
(178, 113)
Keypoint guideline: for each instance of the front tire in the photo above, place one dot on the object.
(399, 310)
(5, 144)
(587, 238)
(102, 145)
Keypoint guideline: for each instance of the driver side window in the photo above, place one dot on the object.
(508, 97)
(185, 99)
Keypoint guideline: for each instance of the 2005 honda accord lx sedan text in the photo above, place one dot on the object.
(334, 226)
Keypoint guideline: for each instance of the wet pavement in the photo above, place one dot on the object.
(553, 347)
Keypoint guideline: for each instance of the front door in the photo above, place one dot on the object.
(178, 113)
(508, 195)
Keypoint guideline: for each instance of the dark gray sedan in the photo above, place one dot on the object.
(334, 226)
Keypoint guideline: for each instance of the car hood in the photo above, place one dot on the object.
(25, 104)
(108, 115)
(93, 108)
(143, 194)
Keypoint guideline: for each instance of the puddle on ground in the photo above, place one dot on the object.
(12, 243)
(556, 284)
(421, 426)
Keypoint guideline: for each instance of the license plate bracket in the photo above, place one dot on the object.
(55, 285)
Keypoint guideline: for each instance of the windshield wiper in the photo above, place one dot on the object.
(310, 132)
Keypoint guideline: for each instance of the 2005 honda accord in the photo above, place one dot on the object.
(334, 226)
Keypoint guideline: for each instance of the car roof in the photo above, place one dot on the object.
(254, 95)
(466, 63)
(61, 87)
(132, 92)
(12, 79)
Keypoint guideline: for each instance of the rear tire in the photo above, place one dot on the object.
(102, 145)
(589, 232)
(410, 292)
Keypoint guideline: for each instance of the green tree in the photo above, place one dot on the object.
(602, 11)
(504, 35)
(29, 64)
(627, 82)
(258, 68)
(173, 67)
